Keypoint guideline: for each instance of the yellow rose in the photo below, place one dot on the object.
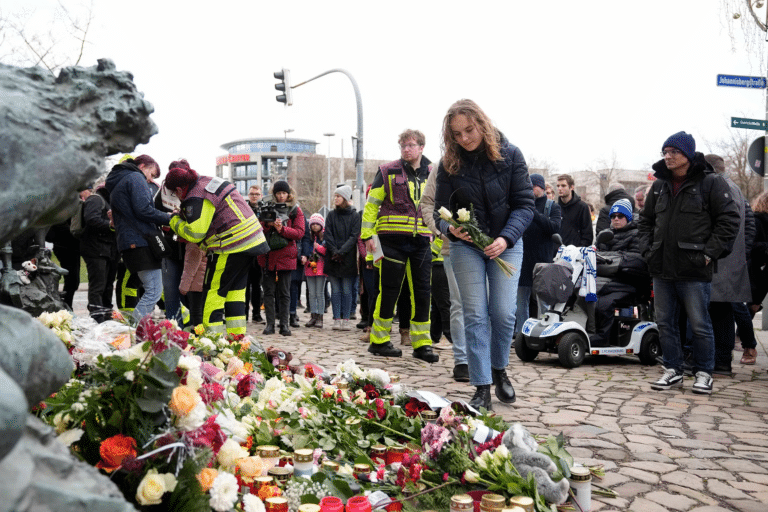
(183, 400)
(153, 486)
(206, 478)
(251, 467)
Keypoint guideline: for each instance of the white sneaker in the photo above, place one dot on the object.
(671, 379)
(345, 325)
(336, 324)
(703, 384)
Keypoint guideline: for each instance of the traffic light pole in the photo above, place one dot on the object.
(360, 198)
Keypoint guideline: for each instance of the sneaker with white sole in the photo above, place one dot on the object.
(345, 325)
(336, 324)
(703, 384)
(671, 379)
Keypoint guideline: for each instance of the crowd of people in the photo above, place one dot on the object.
(209, 256)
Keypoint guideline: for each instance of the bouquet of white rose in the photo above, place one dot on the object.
(466, 220)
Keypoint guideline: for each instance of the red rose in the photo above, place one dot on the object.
(245, 386)
(114, 451)
(371, 392)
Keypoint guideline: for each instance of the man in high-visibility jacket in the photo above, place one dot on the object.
(217, 218)
(392, 213)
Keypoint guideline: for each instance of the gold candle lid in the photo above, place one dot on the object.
(580, 474)
(514, 509)
(268, 451)
(280, 473)
(493, 501)
(523, 502)
(264, 480)
(378, 449)
(277, 500)
(461, 499)
(309, 507)
(303, 455)
(429, 415)
(331, 465)
(362, 468)
(342, 384)
(398, 448)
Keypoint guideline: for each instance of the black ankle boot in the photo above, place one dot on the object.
(269, 329)
(294, 320)
(504, 390)
(482, 398)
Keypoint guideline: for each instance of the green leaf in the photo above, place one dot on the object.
(343, 487)
(169, 357)
(149, 405)
(309, 498)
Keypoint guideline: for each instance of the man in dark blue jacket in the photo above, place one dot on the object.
(689, 221)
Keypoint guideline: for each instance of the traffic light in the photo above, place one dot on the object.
(284, 76)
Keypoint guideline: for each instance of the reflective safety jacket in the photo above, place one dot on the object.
(393, 201)
(216, 217)
(437, 247)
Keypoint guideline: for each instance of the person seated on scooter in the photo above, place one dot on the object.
(626, 243)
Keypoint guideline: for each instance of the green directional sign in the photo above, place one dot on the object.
(750, 124)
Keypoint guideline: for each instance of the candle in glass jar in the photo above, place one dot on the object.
(270, 455)
(276, 504)
(395, 454)
(462, 503)
(303, 462)
(379, 454)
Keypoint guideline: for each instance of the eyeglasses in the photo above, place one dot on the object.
(671, 152)
(617, 216)
(409, 146)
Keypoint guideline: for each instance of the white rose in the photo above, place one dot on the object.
(445, 213)
(130, 375)
(463, 214)
(70, 436)
(153, 486)
(501, 454)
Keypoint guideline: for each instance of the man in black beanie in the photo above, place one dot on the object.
(689, 221)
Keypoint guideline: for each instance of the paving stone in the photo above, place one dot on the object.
(638, 474)
(614, 454)
(684, 479)
(760, 478)
(644, 505)
(631, 489)
(671, 501)
(696, 495)
(655, 467)
(652, 456)
(751, 487)
(741, 466)
(648, 440)
(696, 444)
(725, 490)
(712, 508)
(696, 463)
(748, 505)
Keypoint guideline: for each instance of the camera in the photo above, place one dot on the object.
(270, 212)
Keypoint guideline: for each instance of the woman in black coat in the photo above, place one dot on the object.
(342, 227)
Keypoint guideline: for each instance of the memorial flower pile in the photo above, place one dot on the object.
(180, 420)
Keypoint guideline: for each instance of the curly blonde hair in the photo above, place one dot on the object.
(760, 203)
(482, 122)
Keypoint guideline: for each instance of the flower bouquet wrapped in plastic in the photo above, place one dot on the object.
(466, 219)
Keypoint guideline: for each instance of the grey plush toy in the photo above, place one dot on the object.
(526, 458)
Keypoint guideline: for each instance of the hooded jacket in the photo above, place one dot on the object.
(133, 210)
(98, 238)
(342, 227)
(702, 219)
(576, 227)
(500, 192)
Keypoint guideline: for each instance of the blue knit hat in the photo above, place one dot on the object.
(624, 207)
(682, 141)
(537, 180)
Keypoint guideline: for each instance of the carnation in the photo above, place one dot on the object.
(224, 492)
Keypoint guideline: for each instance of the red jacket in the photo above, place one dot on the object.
(285, 258)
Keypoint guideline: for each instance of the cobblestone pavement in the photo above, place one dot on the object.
(670, 450)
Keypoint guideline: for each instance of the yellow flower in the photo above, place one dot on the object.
(183, 400)
(153, 486)
(206, 478)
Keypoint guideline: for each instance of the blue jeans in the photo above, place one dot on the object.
(523, 300)
(355, 294)
(172, 270)
(744, 327)
(341, 296)
(489, 325)
(316, 291)
(152, 281)
(693, 296)
(459, 345)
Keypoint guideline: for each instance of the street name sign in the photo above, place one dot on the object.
(750, 82)
(750, 124)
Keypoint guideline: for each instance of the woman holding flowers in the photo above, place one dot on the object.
(483, 173)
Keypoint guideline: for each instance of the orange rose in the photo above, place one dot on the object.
(206, 478)
(183, 400)
(269, 491)
(114, 451)
(251, 467)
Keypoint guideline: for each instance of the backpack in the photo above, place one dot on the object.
(77, 223)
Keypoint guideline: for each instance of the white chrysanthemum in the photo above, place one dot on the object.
(61, 421)
(229, 453)
(379, 377)
(305, 385)
(130, 375)
(78, 407)
(234, 429)
(45, 318)
(347, 366)
(224, 492)
(206, 343)
(273, 387)
(194, 419)
(252, 503)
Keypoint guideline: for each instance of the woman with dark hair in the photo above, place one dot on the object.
(215, 216)
(342, 227)
(134, 216)
(278, 264)
(480, 169)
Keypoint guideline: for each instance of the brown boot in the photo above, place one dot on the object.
(749, 357)
(312, 321)
(405, 337)
(366, 337)
(319, 321)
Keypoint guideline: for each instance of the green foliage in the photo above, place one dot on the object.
(188, 495)
(554, 448)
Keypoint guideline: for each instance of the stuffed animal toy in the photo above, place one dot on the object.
(28, 271)
(278, 357)
(526, 458)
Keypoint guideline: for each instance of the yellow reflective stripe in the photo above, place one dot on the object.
(381, 327)
(374, 200)
(367, 225)
(420, 334)
(196, 230)
(231, 203)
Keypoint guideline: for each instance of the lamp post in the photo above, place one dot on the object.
(328, 177)
(285, 150)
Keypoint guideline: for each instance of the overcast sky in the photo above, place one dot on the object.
(570, 83)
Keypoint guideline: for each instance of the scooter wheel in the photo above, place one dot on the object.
(650, 348)
(571, 349)
(522, 350)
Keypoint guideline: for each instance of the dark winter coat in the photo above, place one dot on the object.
(133, 210)
(604, 217)
(730, 282)
(537, 239)
(576, 227)
(304, 248)
(98, 239)
(679, 230)
(500, 192)
(627, 243)
(758, 262)
(293, 231)
(342, 227)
